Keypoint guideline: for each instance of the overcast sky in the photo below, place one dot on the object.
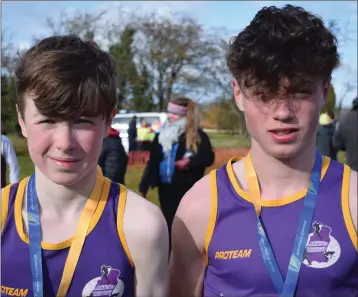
(24, 20)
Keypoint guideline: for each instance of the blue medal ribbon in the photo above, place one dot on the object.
(101, 188)
(287, 288)
(33, 217)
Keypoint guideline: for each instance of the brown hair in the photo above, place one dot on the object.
(192, 122)
(68, 78)
(287, 42)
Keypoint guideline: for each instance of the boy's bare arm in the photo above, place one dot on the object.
(187, 263)
(147, 237)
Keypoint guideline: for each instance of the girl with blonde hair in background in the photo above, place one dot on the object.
(178, 158)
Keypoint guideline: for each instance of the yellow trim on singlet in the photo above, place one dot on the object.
(213, 213)
(5, 197)
(270, 203)
(98, 189)
(120, 217)
(345, 206)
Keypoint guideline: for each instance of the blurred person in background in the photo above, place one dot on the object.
(156, 127)
(345, 137)
(132, 134)
(113, 159)
(145, 136)
(8, 162)
(324, 137)
(179, 155)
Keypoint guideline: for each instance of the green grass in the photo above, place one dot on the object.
(228, 141)
(134, 173)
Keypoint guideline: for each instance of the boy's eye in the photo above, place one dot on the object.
(301, 94)
(83, 121)
(47, 121)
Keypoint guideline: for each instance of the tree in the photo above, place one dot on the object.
(82, 24)
(344, 37)
(331, 101)
(142, 100)
(227, 117)
(174, 52)
(216, 74)
(126, 72)
(8, 108)
(348, 87)
(133, 80)
(7, 54)
(223, 114)
(8, 87)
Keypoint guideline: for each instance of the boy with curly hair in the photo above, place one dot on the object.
(282, 220)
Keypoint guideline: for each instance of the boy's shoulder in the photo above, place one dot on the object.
(145, 230)
(142, 217)
(195, 206)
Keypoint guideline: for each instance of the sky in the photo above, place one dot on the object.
(23, 20)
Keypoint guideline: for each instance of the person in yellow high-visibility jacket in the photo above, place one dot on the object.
(145, 136)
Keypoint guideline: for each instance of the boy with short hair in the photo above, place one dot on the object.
(67, 230)
(281, 221)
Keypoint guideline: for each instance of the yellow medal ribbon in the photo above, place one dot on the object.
(253, 184)
(81, 232)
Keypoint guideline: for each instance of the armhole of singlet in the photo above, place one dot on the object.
(213, 213)
(120, 217)
(345, 206)
(5, 197)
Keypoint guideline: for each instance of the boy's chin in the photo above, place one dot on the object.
(66, 179)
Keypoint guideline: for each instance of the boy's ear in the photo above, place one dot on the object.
(237, 95)
(21, 121)
(109, 123)
(114, 112)
(326, 88)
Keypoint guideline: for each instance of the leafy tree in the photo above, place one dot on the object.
(331, 101)
(175, 51)
(9, 122)
(126, 72)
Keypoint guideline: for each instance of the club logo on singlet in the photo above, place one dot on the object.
(109, 284)
(322, 249)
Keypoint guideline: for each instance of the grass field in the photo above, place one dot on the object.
(134, 173)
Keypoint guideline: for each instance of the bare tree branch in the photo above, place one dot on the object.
(8, 56)
(177, 51)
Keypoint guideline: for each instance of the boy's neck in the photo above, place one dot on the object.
(61, 200)
(282, 175)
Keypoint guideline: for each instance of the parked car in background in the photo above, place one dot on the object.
(121, 123)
